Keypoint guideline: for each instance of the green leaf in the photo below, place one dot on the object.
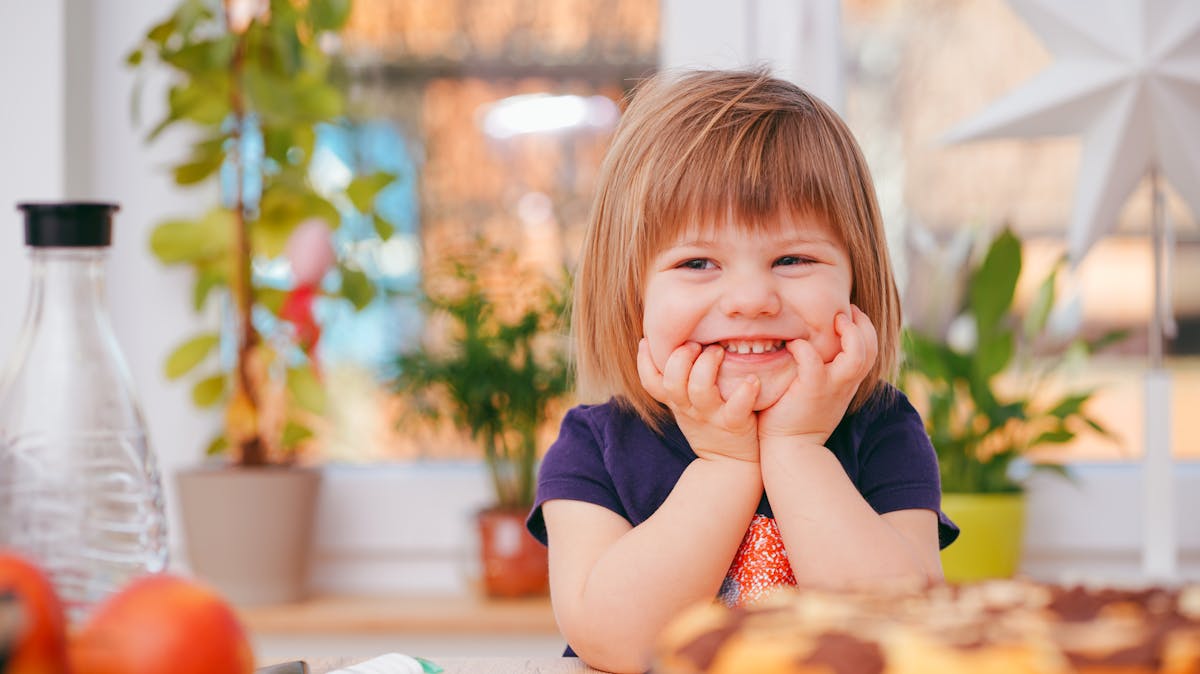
(204, 100)
(1107, 339)
(1096, 426)
(289, 144)
(162, 31)
(356, 287)
(1056, 468)
(209, 238)
(170, 119)
(177, 241)
(218, 445)
(209, 277)
(283, 207)
(271, 298)
(189, 354)
(328, 14)
(1039, 310)
(208, 391)
(984, 397)
(994, 354)
(198, 170)
(205, 58)
(934, 360)
(363, 189)
(383, 228)
(1055, 437)
(134, 58)
(288, 100)
(1070, 405)
(190, 13)
(306, 390)
(993, 284)
(294, 434)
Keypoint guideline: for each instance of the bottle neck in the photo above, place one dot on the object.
(66, 319)
(66, 281)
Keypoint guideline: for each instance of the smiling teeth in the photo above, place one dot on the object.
(752, 346)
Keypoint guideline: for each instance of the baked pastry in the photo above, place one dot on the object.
(1108, 631)
(1005, 627)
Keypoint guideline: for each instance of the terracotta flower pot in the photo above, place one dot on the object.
(514, 563)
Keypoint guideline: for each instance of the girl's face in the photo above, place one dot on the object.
(749, 292)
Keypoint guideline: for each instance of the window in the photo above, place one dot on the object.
(502, 112)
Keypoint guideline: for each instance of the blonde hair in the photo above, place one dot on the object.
(698, 148)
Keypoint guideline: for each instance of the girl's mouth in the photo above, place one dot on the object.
(751, 346)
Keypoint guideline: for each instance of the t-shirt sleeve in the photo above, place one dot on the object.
(899, 466)
(573, 469)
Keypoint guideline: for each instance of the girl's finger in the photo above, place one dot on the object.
(859, 347)
(870, 335)
(702, 382)
(652, 379)
(677, 371)
(741, 404)
(849, 361)
(806, 357)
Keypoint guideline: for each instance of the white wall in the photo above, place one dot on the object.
(800, 40)
(32, 38)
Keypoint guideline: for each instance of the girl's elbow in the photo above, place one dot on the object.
(609, 650)
(614, 660)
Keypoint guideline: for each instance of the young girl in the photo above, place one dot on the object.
(735, 307)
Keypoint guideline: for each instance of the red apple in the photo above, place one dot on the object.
(40, 646)
(162, 624)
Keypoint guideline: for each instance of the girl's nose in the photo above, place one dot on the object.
(750, 296)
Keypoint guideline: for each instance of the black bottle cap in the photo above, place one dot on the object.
(68, 224)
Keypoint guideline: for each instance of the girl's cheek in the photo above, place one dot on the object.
(658, 353)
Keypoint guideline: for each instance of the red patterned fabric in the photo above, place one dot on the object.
(759, 567)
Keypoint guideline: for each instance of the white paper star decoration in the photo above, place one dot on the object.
(1126, 76)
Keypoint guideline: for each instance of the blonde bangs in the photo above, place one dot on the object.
(749, 172)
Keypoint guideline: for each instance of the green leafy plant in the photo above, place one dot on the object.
(496, 376)
(252, 82)
(977, 426)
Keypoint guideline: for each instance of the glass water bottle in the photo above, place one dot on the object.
(79, 488)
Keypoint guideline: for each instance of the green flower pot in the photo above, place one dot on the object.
(990, 544)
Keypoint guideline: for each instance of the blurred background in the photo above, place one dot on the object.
(495, 116)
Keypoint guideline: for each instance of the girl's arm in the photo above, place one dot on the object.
(833, 536)
(614, 586)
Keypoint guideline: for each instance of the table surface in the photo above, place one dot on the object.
(553, 665)
(357, 615)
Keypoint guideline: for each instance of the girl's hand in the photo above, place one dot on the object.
(817, 399)
(688, 387)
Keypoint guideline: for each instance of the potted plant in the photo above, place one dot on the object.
(498, 369)
(251, 81)
(983, 383)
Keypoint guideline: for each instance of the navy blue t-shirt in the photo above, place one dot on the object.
(608, 456)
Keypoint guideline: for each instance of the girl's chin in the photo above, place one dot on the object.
(774, 384)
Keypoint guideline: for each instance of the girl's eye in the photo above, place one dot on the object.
(697, 263)
(789, 260)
